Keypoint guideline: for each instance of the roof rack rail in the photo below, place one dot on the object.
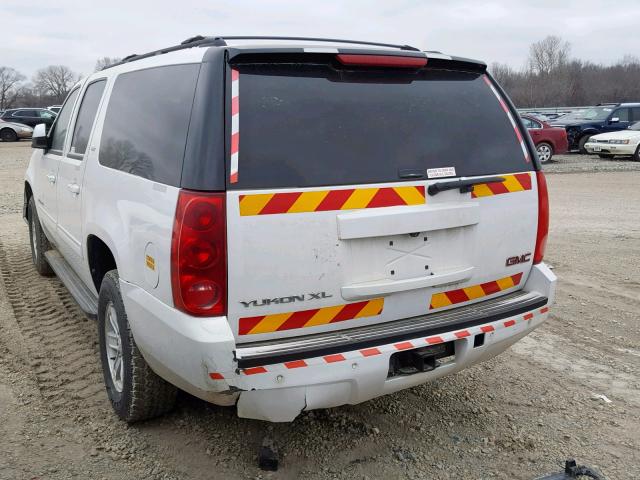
(324, 40)
(200, 40)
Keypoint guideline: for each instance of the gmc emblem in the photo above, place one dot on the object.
(524, 258)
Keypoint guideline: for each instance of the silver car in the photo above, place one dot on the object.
(12, 132)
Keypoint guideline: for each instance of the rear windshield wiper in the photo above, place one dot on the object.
(465, 186)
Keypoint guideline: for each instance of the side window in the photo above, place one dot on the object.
(145, 127)
(622, 114)
(527, 123)
(535, 124)
(635, 113)
(62, 123)
(21, 113)
(86, 116)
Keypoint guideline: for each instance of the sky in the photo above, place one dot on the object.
(76, 33)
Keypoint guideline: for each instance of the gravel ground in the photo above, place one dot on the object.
(515, 417)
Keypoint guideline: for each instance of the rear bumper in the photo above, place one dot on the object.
(277, 381)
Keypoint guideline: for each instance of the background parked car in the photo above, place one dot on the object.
(548, 140)
(12, 132)
(54, 108)
(29, 116)
(603, 118)
(623, 142)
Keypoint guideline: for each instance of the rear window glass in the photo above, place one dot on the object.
(145, 128)
(310, 125)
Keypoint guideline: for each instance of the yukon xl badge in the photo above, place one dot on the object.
(289, 299)
(524, 258)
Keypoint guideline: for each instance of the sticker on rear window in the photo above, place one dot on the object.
(441, 172)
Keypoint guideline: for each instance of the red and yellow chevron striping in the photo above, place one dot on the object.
(517, 182)
(444, 299)
(310, 318)
(325, 200)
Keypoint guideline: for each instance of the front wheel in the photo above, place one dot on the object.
(636, 156)
(545, 152)
(582, 142)
(135, 391)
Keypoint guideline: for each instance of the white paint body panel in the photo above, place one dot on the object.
(347, 254)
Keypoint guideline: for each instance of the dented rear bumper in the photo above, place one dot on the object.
(275, 381)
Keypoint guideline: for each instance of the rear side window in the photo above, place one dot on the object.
(62, 123)
(146, 123)
(86, 116)
(310, 125)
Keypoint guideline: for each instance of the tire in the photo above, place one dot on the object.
(135, 391)
(545, 152)
(581, 143)
(636, 156)
(8, 135)
(605, 156)
(38, 241)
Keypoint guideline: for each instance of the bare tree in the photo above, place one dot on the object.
(630, 60)
(9, 86)
(55, 81)
(548, 55)
(502, 72)
(105, 62)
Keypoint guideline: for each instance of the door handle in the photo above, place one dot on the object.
(52, 178)
(73, 188)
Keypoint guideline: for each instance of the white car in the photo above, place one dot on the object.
(622, 142)
(337, 250)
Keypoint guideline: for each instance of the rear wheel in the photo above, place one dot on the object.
(605, 155)
(8, 135)
(545, 152)
(581, 143)
(135, 391)
(38, 241)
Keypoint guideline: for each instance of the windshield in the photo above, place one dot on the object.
(311, 125)
(598, 113)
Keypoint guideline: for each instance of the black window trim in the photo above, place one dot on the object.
(80, 156)
(55, 123)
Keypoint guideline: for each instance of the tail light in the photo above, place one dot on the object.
(382, 61)
(199, 254)
(543, 218)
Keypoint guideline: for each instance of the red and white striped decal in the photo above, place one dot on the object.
(510, 117)
(235, 124)
(392, 347)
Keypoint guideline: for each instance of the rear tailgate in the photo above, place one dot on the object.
(330, 221)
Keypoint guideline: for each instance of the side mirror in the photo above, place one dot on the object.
(39, 137)
(614, 120)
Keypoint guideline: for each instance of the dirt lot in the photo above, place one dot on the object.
(515, 417)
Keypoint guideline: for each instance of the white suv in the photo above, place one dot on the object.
(379, 223)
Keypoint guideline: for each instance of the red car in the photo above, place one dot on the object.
(548, 140)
